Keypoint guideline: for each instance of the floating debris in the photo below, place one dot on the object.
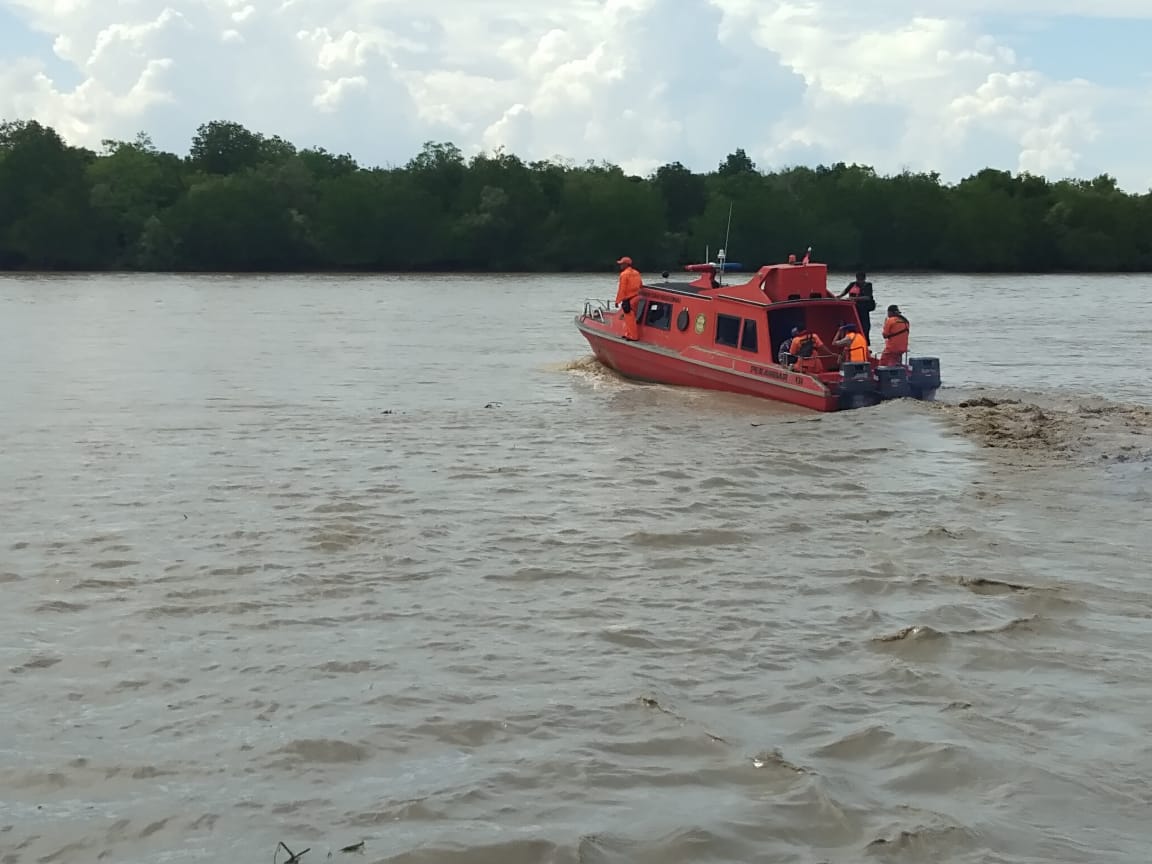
(649, 702)
(984, 585)
(293, 857)
(775, 757)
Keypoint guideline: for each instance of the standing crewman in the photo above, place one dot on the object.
(860, 291)
(896, 329)
(626, 294)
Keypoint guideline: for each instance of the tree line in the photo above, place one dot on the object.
(244, 201)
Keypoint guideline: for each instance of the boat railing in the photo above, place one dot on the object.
(596, 309)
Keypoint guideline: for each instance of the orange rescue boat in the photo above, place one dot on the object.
(734, 338)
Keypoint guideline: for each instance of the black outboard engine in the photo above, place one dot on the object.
(924, 379)
(893, 382)
(857, 386)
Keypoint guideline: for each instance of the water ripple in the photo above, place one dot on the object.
(469, 605)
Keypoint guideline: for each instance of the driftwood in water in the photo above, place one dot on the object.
(293, 857)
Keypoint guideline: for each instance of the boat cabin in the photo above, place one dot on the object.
(753, 317)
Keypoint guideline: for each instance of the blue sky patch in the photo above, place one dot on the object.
(18, 40)
(1112, 52)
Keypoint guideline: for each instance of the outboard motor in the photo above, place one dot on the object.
(857, 386)
(893, 382)
(924, 379)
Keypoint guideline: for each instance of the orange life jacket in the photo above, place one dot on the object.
(864, 302)
(858, 348)
(805, 344)
(896, 328)
(802, 345)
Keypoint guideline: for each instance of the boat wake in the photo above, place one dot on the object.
(1040, 428)
(589, 370)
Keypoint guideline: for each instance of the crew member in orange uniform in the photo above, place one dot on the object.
(895, 331)
(809, 351)
(626, 294)
(855, 344)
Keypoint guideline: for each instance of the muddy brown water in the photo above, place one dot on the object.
(329, 560)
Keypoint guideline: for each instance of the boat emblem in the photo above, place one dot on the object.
(700, 320)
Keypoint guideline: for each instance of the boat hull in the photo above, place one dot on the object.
(641, 361)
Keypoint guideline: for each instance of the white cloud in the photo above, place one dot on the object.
(637, 82)
(944, 90)
(1050, 122)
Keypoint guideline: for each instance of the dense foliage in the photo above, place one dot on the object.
(243, 201)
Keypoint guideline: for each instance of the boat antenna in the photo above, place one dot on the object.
(723, 252)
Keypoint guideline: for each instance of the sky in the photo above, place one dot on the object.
(1061, 88)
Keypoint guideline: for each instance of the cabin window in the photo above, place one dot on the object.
(727, 330)
(659, 315)
(748, 337)
(682, 320)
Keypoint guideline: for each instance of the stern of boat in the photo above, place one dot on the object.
(863, 385)
(924, 377)
(918, 379)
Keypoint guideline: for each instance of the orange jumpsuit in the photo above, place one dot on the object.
(629, 289)
(813, 362)
(896, 329)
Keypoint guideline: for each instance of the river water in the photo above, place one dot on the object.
(325, 561)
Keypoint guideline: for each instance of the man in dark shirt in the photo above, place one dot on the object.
(860, 291)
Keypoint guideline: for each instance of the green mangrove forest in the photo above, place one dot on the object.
(243, 201)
